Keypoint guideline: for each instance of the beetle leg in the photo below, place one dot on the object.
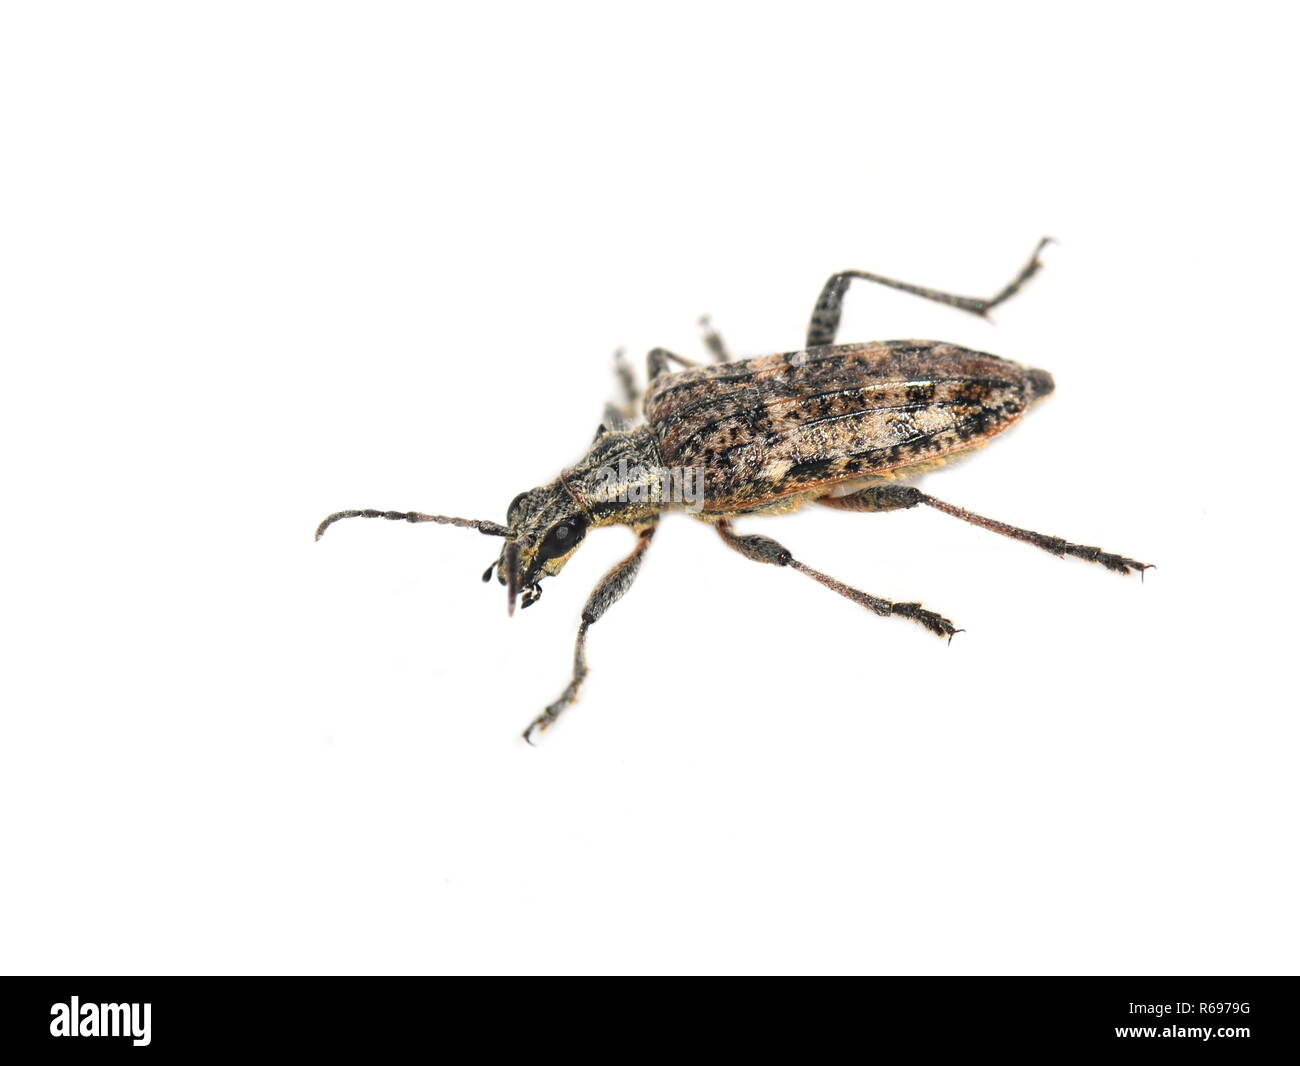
(614, 419)
(714, 342)
(825, 322)
(766, 550)
(608, 591)
(899, 497)
(657, 361)
(627, 387)
(875, 498)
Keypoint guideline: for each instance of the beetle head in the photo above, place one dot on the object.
(546, 525)
(613, 483)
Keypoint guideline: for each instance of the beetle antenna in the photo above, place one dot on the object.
(490, 529)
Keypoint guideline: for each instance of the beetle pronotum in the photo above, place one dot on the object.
(838, 425)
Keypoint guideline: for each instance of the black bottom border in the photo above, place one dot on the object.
(373, 1017)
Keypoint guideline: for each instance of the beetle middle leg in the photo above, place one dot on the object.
(657, 361)
(901, 497)
(608, 591)
(825, 322)
(713, 341)
(765, 550)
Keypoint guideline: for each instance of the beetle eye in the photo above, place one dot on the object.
(562, 538)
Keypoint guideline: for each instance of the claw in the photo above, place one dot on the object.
(539, 724)
(935, 623)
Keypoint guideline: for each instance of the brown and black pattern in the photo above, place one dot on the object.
(769, 428)
(768, 435)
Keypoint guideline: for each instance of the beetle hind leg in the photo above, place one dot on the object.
(901, 497)
(766, 550)
(825, 322)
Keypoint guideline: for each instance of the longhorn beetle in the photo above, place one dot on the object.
(836, 424)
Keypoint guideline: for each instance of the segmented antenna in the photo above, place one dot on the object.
(491, 529)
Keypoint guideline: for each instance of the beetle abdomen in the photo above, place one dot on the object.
(766, 428)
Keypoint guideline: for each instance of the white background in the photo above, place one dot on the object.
(264, 261)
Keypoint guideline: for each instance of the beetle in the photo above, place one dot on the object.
(839, 425)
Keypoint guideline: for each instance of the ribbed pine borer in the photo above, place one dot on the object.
(840, 425)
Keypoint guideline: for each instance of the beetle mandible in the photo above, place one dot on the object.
(838, 425)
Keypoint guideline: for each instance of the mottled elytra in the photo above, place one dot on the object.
(839, 425)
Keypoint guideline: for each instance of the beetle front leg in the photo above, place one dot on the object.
(765, 550)
(628, 389)
(825, 321)
(901, 497)
(608, 591)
